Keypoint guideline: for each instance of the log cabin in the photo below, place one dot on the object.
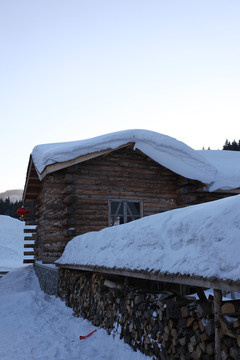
(81, 186)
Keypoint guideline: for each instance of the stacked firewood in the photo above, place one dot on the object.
(162, 326)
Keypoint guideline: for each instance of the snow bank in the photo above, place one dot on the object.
(40, 327)
(11, 243)
(202, 240)
(164, 149)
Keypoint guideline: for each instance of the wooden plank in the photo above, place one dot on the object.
(31, 220)
(28, 261)
(31, 195)
(32, 205)
(29, 246)
(27, 253)
(30, 231)
(30, 238)
(218, 284)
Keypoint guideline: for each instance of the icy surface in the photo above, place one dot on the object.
(36, 326)
(202, 240)
(165, 150)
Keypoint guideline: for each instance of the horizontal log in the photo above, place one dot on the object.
(30, 205)
(33, 194)
(28, 261)
(30, 197)
(26, 253)
(30, 238)
(29, 246)
(29, 231)
(32, 220)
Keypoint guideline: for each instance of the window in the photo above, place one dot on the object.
(124, 211)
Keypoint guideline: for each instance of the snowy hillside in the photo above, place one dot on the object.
(13, 195)
(11, 243)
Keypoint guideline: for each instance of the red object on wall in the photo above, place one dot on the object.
(22, 212)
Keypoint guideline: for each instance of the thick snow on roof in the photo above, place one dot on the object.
(201, 240)
(165, 150)
(227, 164)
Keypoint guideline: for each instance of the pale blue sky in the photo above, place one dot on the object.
(76, 69)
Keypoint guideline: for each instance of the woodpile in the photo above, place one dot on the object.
(170, 328)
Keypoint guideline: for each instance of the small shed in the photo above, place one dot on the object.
(77, 187)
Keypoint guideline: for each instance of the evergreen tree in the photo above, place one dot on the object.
(8, 208)
(232, 145)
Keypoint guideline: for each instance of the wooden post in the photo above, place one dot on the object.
(125, 285)
(217, 312)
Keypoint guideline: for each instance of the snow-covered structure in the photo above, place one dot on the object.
(79, 190)
(76, 187)
(196, 245)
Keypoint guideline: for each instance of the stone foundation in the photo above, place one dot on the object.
(47, 277)
(160, 326)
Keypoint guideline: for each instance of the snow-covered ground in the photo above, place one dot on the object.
(36, 326)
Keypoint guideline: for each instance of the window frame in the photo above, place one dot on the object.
(125, 214)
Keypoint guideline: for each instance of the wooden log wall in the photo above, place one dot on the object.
(174, 327)
(75, 200)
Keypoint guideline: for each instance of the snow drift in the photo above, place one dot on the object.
(11, 243)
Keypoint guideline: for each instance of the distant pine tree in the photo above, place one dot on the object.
(234, 146)
(8, 208)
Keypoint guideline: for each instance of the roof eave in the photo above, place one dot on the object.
(82, 158)
(198, 281)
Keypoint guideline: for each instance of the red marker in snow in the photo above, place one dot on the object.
(84, 337)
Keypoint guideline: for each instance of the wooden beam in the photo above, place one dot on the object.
(31, 223)
(29, 246)
(28, 261)
(207, 283)
(30, 238)
(61, 165)
(217, 323)
(27, 253)
(32, 194)
(30, 231)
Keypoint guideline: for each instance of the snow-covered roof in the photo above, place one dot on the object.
(167, 151)
(227, 164)
(201, 240)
